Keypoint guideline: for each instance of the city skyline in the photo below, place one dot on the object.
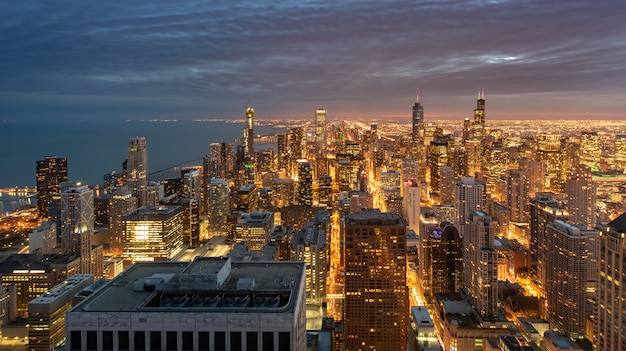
(72, 60)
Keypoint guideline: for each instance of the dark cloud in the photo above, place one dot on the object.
(358, 58)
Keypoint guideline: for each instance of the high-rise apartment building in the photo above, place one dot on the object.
(320, 132)
(218, 205)
(137, 169)
(77, 222)
(375, 281)
(50, 173)
(309, 245)
(566, 261)
(417, 119)
(480, 261)
(543, 210)
(254, 229)
(549, 150)
(581, 196)
(411, 204)
(611, 311)
(620, 152)
(468, 196)
(446, 259)
(516, 192)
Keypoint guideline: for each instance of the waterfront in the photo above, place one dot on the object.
(94, 148)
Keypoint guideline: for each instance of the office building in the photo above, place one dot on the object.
(309, 245)
(411, 204)
(297, 143)
(50, 173)
(549, 150)
(77, 222)
(152, 233)
(247, 198)
(446, 259)
(25, 278)
(611, 312)
(375, 281)
(137, 169)
(206, 304)
(320, 132)
(566, 261)
(123, 202)
(478, 125)
(254, 228)
(480, 261)
(43, 238)
(46, 313)
(417, 120)
(590, 148)
(620, 152)
(304, 195)
(446, 185)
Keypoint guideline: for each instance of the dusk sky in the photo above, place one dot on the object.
(189, 59)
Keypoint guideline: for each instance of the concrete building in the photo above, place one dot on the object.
(468, 196)
(206, 304)
(46, 313)
(254, 228)
(43, 238)
(309, 245)
(137, 169)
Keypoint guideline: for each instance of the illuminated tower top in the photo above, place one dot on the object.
(418, 118)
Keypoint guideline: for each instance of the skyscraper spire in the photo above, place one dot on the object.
(482, 93)
(417, 95)
(479, 93)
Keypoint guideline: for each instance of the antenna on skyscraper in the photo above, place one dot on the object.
(417, 95)
(248, 103)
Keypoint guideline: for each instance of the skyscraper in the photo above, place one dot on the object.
(468, 196)
(581, 196)
(566, 276)
(77, 219)
(480, 261)
(123, 202)
(418, 119)
(50, 173)
(478, 125)
(376, 299)
(137, 169)
(304, 194)
(516, 192)
(153, 233)
(320, 132)
(611, 316)
(248, 133)
(590, 148)
(218, 205)
(446, 259)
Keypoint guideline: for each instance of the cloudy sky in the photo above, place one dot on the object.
(185, 59)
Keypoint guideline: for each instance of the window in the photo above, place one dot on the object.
(140, 340)
(187, 341)
(155, 340)
(284, 341)
(170, 341)
(107, 340)
(268, 341)
(203, 341)
(220, 341)
(92, 340)
(235, 341)
(123, 343)
(75, 340)
(252, 341)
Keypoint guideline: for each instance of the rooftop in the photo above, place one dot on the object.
(207, 283)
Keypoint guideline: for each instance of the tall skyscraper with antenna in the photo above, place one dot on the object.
(418, 118)
(479, 115)
(248, 133)
(137, 169)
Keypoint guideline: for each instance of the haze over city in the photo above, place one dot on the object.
(154, 59)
